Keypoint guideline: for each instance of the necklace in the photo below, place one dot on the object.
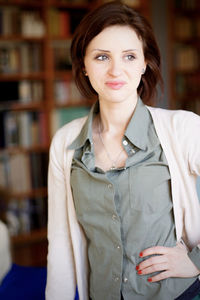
(114, 162)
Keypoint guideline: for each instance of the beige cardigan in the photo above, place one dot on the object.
(179, 134)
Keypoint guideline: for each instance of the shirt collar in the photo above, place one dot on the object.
(86, 131)
(136, 132)
(138, 127)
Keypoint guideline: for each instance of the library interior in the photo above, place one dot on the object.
(38, 95)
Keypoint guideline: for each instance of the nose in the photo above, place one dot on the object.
(115, 68)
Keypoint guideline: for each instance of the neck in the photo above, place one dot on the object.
(114, 117)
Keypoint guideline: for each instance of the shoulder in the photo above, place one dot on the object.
(174, 117)
(66, 134)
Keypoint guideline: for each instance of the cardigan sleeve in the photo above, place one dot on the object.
(191, 133)
(192, 138)
(60, 265)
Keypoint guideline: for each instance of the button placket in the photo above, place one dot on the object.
(114, 217)
(125, 280)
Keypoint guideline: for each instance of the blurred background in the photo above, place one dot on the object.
(38, 95)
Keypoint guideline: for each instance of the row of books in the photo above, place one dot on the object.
(24, 216)
(24, 129)
(187, 84)
(59, 23)
(66, 92)
(62, 23)
(190, 5)
(24, 91)
(61, 55)
(20, 57)
(186, 58)
(186, 28)
(60, 117)
(14, 21)
(21, 172)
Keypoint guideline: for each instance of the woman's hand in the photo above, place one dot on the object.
(171, 262)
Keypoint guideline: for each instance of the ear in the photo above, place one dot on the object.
(144, 68)
(84, 72)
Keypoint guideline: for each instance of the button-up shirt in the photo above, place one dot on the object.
(124, 211)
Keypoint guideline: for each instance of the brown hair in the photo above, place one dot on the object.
(109, 14)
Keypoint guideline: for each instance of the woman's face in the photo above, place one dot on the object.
(114, 63)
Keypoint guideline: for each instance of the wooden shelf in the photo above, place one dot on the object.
(79, 6)
(19, 76)
(15, 149)
(23, 3)
(20, 38)
(19, 106)
(30, 249)
(34, 236)
(40, 192)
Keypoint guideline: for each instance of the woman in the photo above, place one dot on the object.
(124, 216)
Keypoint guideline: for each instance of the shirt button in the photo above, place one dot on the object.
(110, 186)
(125, 280)
(116, 279)
(114, 217)
(133, 151)
(125, 143)
(118, 247)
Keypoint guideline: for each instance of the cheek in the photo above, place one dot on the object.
(95, 76)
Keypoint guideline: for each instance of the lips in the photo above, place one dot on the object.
(115, 85)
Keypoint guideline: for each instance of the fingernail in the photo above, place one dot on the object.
(139, 272)
(149, 280)
(141, 254)
(137, 267)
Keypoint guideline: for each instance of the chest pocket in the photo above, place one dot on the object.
(150, 188)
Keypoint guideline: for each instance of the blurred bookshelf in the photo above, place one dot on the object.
(185, 58)
(38, 95)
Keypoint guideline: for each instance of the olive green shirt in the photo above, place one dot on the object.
(124, 211)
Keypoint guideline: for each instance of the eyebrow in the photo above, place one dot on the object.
(107, 51)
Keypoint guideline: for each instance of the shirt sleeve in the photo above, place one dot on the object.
(60, 264)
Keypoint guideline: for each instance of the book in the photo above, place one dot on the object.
(61, 55)
(32, 24)
(26, 215)
(59, 23)
(11, 129)
(24, 129)
(186, 58)
(19, 173)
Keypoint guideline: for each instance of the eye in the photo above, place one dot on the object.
(101, 57)
(130, 57)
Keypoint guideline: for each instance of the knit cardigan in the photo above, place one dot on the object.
(179, 135)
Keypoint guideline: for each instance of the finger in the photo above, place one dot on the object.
(154, 250)
(151, 261)
(160, 276)
(153, 269)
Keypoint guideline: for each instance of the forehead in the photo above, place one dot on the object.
(116, 36)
